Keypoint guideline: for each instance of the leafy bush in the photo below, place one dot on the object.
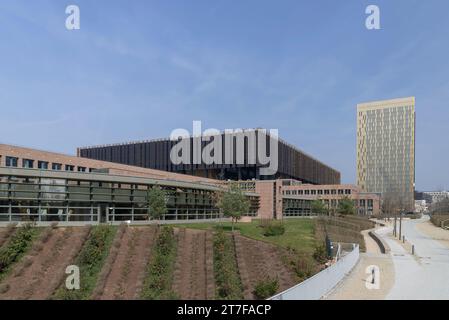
(274, 230)
(302, 263)
(266, 288)
(227, 279)
(90, 261)
(158, 282)
(320, 253)
(19, 243)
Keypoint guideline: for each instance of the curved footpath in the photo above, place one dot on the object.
(354, 285)
(403, 275)
(423, 276)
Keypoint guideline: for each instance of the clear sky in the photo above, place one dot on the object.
(139, 69)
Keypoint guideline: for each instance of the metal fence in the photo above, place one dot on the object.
(323, 282)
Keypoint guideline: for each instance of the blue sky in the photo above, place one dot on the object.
(139, 69)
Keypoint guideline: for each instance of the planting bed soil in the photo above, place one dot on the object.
(39, 273)
(126, 277)
(256, 260)
(193, 276)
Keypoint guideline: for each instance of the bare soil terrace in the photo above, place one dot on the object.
(256, 260)
(193, 275)
(126, 277)
(39, 273)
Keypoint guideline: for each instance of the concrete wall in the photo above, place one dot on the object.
(323, 282)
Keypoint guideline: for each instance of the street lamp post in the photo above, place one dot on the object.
(394, 230)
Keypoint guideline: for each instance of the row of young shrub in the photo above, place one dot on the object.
(16, 247)
(437, 219)
(227, 278)
(90, 261)
(159, 275)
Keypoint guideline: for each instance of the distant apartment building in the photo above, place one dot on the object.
(386, 149)
(435, 196)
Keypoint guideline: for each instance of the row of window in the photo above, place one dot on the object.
(43, 165)
(314, 192)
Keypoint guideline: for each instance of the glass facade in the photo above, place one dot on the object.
(32, 195)
(386, 149)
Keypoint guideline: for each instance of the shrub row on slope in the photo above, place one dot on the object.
(227, 278)
(16, 247)
(159, 275)
(90, 261)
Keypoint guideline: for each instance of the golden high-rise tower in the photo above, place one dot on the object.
(386, 149)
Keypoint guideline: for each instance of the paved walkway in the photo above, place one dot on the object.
(425, 275)
(404, 276)
(354, 285)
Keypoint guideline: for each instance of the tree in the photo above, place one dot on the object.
(157, 205)
(233, 203)
(319, 207)
(346, 206)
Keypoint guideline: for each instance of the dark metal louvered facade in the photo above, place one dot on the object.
(155, 154)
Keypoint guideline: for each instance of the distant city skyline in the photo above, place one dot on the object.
(137, 70)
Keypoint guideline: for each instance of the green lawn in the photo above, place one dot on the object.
(298, 232)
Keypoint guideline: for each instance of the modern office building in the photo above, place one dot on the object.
(288, 197)
(386, 149)
(292, 163)
(46, 186)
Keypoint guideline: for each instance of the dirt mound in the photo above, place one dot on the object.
(256, 260)
(193, 276)
(128, 271)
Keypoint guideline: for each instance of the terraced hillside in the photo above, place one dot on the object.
(129, 262)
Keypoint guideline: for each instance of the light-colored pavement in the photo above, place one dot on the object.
(425, 275)
(436, 233)
(404, 276)
(353, 287)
